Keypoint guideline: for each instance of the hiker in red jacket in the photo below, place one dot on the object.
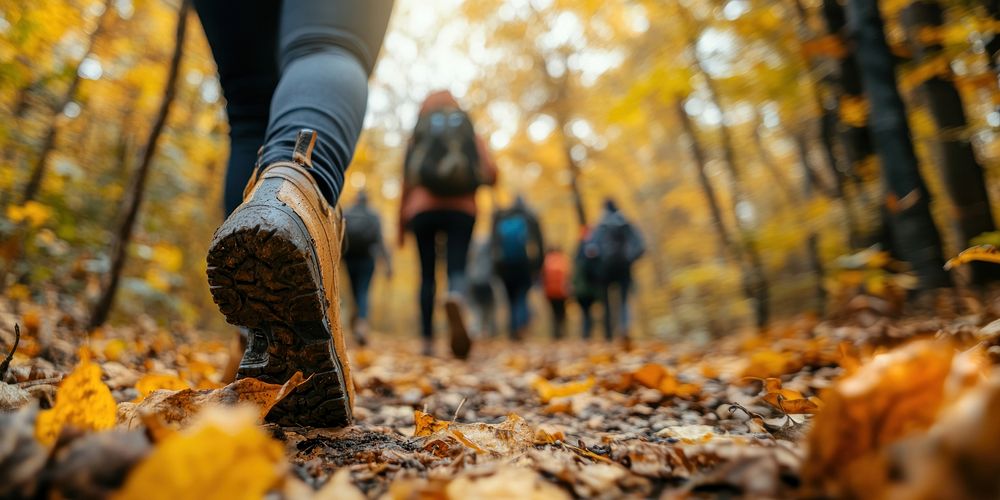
(555, 281)
(445, 164)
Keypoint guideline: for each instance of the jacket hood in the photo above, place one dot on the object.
(437, 100)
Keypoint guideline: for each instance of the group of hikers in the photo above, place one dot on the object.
(445, 164)
(295, 77)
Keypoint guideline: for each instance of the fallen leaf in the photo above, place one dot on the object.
(508, 482)
(222, 455)
(151, 382)
(83, 402)
(179, 407)
(547, 391)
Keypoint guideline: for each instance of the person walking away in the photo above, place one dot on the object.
(518, 252)
(294, 74)
(555, 282)
(619, 245)
(482, 295)
(363, 243)
(445, 163)
(585, 283)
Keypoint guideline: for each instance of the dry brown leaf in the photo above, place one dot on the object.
(894, 396)
(178, 407)
(508, 482)
(510, 437)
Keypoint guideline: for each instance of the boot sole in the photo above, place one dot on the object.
(264, 275)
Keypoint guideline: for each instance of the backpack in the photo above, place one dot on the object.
(362, 228)
(617, 251)
(555, 275)
(512, 238)
(444, 158)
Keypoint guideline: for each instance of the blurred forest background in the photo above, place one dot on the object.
(736, 133)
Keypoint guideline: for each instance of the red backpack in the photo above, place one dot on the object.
(556, 275)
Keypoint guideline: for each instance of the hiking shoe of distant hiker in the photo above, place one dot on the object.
(360, 330)
(272, 268)
(461, 344)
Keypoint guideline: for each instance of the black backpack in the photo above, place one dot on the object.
(362, 228)
(616, 252)
(444, 158)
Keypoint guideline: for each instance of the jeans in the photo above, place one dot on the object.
(615, 295)
(517, 283)
(456, 227)
(288, 65)
(360, 271)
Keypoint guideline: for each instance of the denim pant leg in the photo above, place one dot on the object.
(360, 271)
(326, 51)
(243, 36)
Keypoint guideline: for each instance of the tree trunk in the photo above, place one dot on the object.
(961, 172)
(134, 195)
(756, 278)
(812, 243)
(51, 136)
(855, 135)
(914, 235)
(749, 261)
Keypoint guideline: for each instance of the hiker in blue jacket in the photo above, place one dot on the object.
(518, 253)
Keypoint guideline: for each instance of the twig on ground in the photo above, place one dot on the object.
(6, 362)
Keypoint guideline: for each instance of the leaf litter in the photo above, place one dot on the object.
(888, 410)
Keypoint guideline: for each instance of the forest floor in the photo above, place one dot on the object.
(894, 407)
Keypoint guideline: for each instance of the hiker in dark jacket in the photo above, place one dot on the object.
(585, 286)
(445, 163)
(518, 253)
(363, 244)
(618, 246)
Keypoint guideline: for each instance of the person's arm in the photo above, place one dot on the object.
(539, 244)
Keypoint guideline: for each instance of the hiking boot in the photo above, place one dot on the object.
(461, 344)
(360, 329)
(272, 269)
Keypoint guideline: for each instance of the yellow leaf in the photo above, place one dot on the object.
(114, 349)
(83, 402)
(223, 455)
(155, 381)
(33, 213)
(982, 253)
(548, 391)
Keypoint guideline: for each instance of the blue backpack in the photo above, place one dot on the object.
(512, 232)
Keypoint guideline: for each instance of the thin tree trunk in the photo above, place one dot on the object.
(812, 242)
(748, 272)
(962, 174)
(915, 237)
(134, 195)
(40, 168)
(756, 276)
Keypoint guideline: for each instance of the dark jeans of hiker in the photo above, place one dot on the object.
(288, 65)
(360, 271)
(586, 316)
(615, 293)
(558, 307)
(456, 228)
(517, 283)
